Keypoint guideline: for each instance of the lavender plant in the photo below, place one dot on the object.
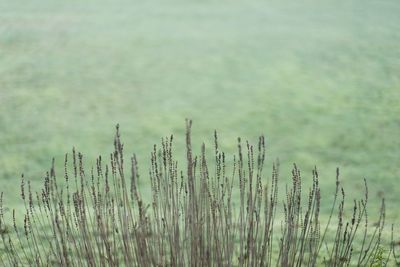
(97, 217)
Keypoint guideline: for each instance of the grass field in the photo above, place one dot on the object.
(319, 78)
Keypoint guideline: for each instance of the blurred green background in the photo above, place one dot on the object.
(321, 80)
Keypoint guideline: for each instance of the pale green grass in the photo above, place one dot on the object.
(319, 78)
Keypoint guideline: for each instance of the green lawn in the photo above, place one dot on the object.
(321, 80)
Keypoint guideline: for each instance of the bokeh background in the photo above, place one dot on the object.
(320, 79)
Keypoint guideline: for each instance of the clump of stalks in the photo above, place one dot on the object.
(98, 218)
